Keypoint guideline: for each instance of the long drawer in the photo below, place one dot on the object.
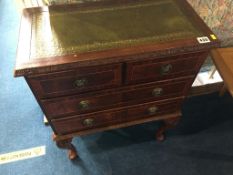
(166, 68)
(72, 105)
(76, 81)
(111, 117)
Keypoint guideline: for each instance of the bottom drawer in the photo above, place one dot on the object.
(84, 122)
(152, 109)
(111, 117)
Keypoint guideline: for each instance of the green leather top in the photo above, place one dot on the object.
(62, 32)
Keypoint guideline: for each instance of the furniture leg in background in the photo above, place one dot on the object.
(223, 60)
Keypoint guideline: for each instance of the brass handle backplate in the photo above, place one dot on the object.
(157, 92)
(153, 110)
(84, 104)
(80, 82)
(89, 122)
(166, 69)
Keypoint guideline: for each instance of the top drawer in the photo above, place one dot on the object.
(163, 68)
(80, 80)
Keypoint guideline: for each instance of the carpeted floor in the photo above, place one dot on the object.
(202, 144)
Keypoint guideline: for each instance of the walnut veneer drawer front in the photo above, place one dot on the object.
(79, 80)
(153, 108)
(72, 105)
(105, 118)
(83, 122)
(158, 91)
(164, 68)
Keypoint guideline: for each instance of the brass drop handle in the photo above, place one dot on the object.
(157, 92)
(153, 110)
(165, 69)
(80, 82)
(89, 122)
(84, 104)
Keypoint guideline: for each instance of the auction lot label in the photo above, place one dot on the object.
(22, 154)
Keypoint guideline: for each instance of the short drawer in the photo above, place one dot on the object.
(159, 90)
(111, 117)
(72, 105)
(78, 80)
(78, 104)
(85, 122)
(153, 109)
(161, 69)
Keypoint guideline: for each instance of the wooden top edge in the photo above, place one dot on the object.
(227, 49)
(46, 65)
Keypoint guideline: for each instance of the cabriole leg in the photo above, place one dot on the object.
(167, 124)
(66, 144)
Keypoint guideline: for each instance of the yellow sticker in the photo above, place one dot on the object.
(22, 154)
(213, 37)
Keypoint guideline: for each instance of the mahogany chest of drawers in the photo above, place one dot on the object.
(103, 65)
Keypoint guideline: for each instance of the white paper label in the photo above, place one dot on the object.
(203, 39)
(22, 154)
